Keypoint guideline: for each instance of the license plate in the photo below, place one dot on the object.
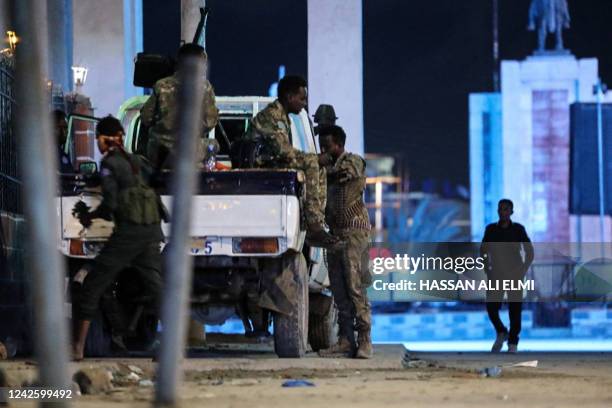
(203, 246)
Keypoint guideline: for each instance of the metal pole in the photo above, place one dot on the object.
(39, 175)
(496, 45)
(178, 264)
(600, 161)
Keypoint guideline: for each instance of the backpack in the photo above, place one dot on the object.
(139, 204)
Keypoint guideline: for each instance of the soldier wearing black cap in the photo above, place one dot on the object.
(324, 116)
(135, 209)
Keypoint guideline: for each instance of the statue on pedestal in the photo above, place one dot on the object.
(549, 16)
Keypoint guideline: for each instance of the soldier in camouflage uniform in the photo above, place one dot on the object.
(347, 217)
(159, 114)
(136, 211)
(273, 125)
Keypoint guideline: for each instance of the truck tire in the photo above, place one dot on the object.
(291, 330)
(322, 322)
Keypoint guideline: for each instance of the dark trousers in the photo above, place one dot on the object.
(515, 308)
(119, 253)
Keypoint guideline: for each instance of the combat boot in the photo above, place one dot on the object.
(343, 348)
(365, 345)
(320, 238)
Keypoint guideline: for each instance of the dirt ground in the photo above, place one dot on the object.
(242, 375)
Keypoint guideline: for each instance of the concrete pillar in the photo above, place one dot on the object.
(107, 35)
(190, 17)
(485, 160)
(335, 63)
(60, 42)
(133, 43)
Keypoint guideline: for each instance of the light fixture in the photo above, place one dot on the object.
(80, 75)
(12, 39)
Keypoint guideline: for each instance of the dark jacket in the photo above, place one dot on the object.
(118, 171)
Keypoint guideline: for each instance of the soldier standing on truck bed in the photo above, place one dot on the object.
(135, 209)
(273, 125)
(159, 114)
(348, 219)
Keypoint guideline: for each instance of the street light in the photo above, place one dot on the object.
(80, 76)
(12, 39)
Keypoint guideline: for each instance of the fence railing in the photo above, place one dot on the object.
(10, 178)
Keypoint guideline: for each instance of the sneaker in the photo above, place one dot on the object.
(512, 348)
(499, 342)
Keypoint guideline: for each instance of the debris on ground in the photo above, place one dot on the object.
(136, 369)
(126, 375)
(244, 382)
(297, 383)
(76, 389)
(410, 361)
(146, 383)
(529, 364)
(93, 380)
(16, 378)
(133, 377)
(492, 372)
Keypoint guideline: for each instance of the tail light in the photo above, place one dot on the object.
(76, 247)
(255, 245)
(85, 248)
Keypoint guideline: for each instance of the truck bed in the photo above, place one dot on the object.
(228, 205)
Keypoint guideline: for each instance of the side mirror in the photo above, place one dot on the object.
(88, 168)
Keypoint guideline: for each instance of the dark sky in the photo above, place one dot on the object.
(421, 60)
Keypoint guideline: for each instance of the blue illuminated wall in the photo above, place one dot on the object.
(486, 159)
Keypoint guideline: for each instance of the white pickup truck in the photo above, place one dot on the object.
(247, 234)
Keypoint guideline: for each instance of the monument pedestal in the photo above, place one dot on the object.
(536, 96)
(526, 159)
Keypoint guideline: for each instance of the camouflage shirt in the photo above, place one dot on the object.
(274, 125)
(160, 112)
(345, 185)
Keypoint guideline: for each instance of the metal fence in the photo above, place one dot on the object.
(10, 179)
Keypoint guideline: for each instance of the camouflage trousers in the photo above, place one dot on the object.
(349, 281)
(316, 186)
(161, 150)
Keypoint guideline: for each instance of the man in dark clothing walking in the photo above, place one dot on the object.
(501, 246)
(135, 241)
